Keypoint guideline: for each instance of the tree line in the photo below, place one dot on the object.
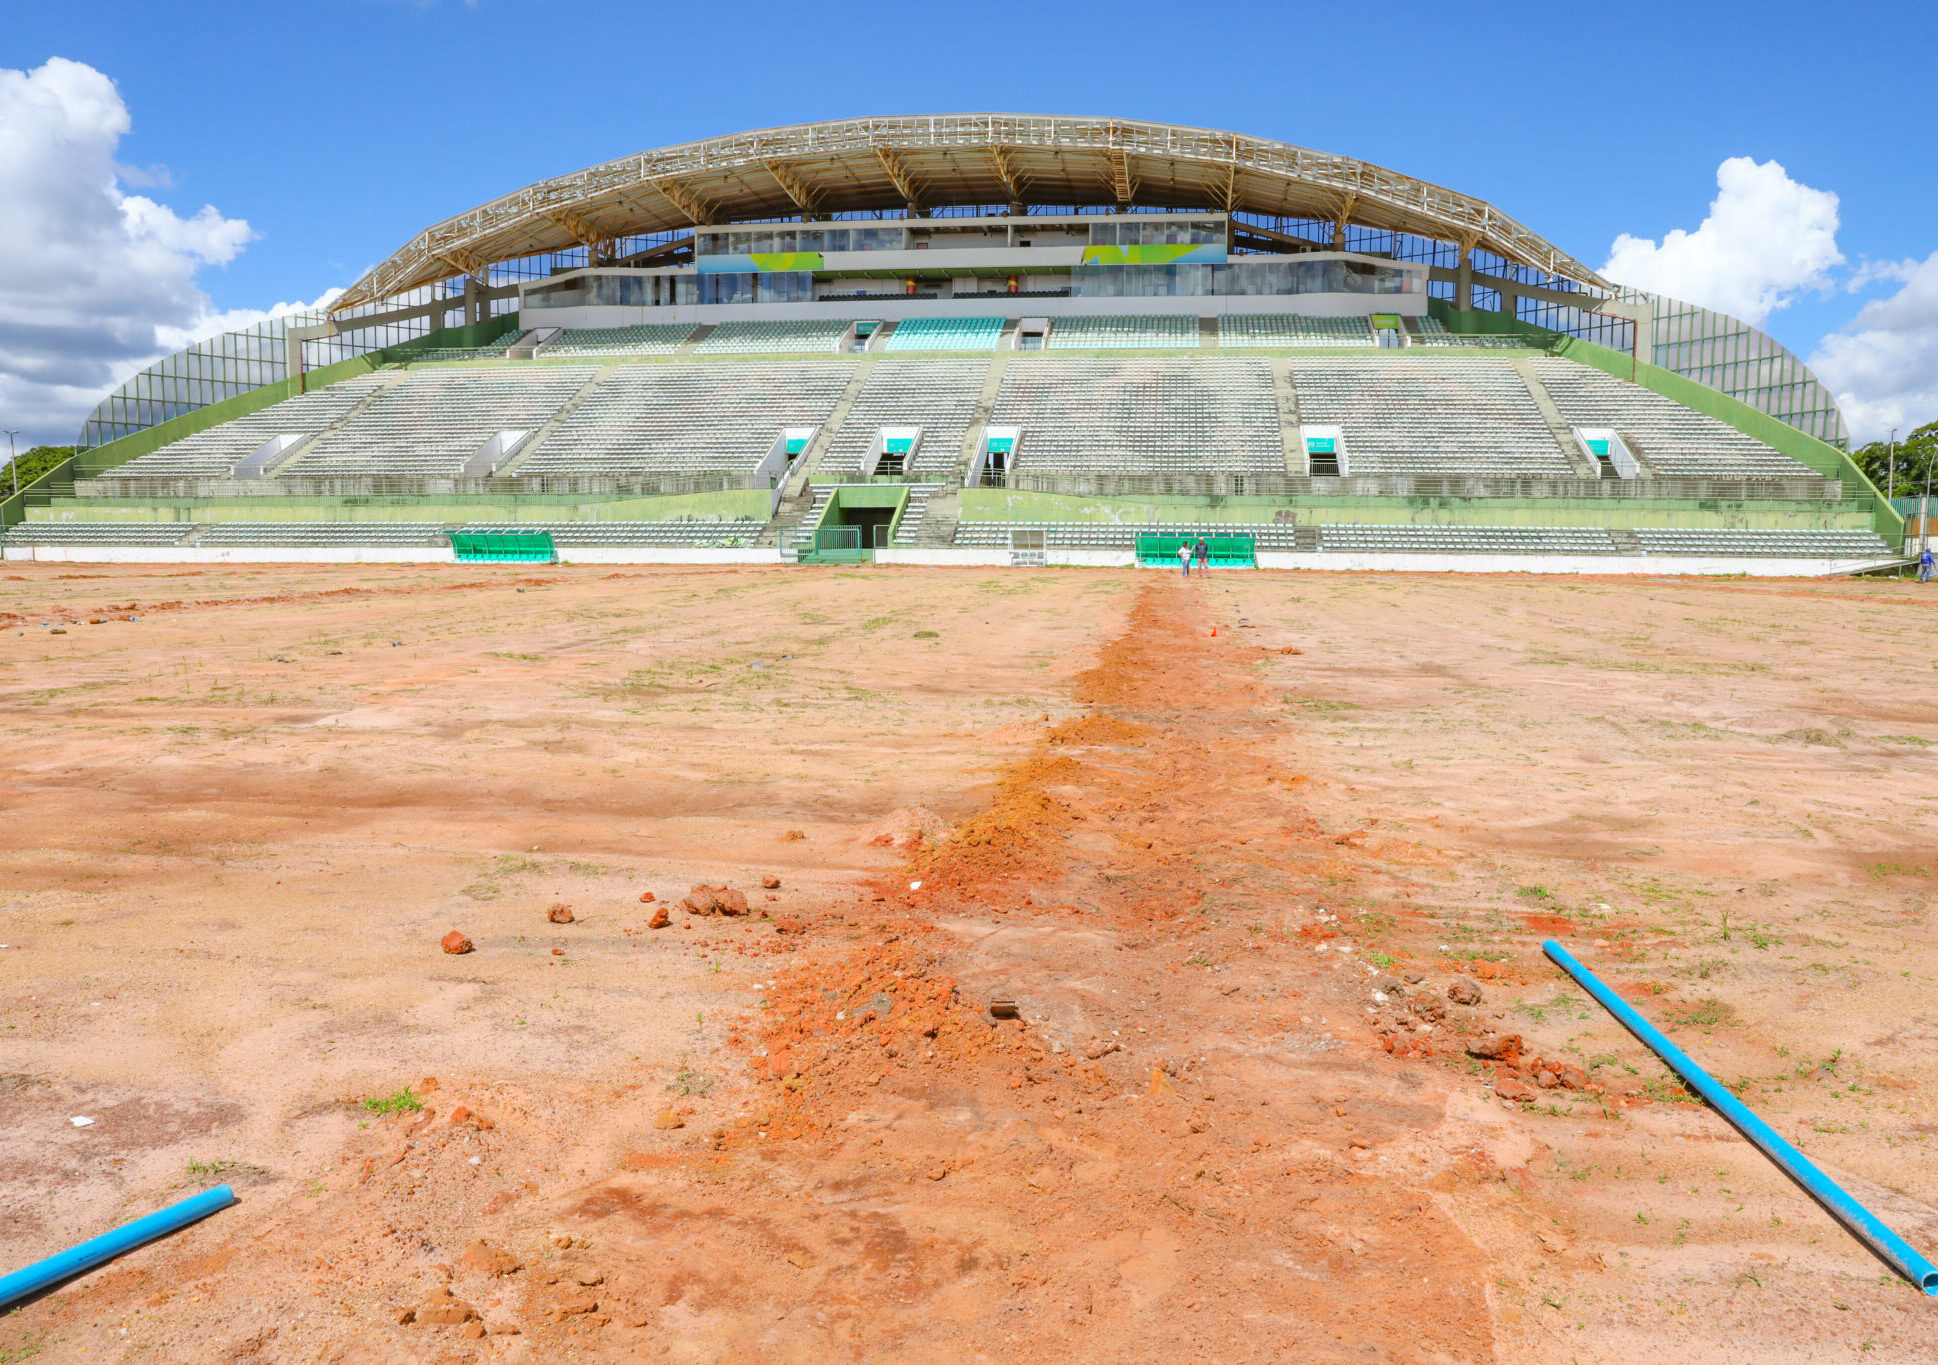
(1916, 461)
(32, 463)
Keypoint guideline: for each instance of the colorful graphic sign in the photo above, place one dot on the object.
(760, 263)
(1180, 253)
(1321, 445)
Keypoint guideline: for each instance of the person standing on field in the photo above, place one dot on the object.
(1184, 557)
(1204, 555)
(1924, 566)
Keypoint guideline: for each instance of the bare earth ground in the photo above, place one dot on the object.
(1227, 845)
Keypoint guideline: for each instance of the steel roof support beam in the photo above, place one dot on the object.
(903, 179)
(676, 192)
(796, 186)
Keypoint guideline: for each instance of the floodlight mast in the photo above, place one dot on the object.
(13, 468)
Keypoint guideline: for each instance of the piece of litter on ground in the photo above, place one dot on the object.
(80, 1122)
(477, 1161)
(915, 886)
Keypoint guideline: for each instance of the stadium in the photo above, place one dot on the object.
(977, 340)
(638, 788)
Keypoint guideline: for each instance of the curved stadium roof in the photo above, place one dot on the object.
(927, 162)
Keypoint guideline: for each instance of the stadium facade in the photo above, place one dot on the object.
(973, 339)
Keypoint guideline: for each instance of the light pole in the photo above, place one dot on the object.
(1891, 467)
(13, 468)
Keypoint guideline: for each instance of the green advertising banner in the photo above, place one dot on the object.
(1180, 253)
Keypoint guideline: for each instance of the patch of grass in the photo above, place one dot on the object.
(687, 1081)
(1707, 1014)
(403, 1102)
(928, 635)
(208, 1170)
(1324, 704)
(1379, 959)
(1879, 871)
(1534, 893)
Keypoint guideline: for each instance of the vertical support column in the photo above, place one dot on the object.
(474, 301)
(1464, 285)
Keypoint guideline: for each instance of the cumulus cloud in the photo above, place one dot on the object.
(1766, 238)
(1883, 366)
(95, 282)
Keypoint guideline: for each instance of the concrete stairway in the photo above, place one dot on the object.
(908, 531)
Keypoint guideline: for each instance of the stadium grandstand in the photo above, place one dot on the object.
(978, 339)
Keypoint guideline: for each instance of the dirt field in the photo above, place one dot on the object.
(1263, 861)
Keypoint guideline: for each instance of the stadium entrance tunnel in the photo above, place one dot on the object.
(861, 519)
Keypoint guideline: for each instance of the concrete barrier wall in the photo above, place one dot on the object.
(230, 554)
(1655, 565)
(639, 554)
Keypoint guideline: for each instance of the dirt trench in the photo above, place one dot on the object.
(1170, 1153)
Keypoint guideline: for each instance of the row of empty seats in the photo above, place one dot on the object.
(1160, 331)
(1144, 416)
(648, 534)
(945, 334)
(212, 454)
(1447, 415)
(939, 396)
(685, 418)
(1411, 539)
(1119, 535)
(98, 532)
(647, 338)
(323, 533)
(760, 338)
(1760, 543)
(1675, 440)
(1519, 540)
(1281, 329)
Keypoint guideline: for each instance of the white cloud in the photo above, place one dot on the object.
(1883, 366)
(1869, 272)
(1766, 238)
(95, 282)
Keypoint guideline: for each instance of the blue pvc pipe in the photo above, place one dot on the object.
(65, 1265)
(1862, 1224)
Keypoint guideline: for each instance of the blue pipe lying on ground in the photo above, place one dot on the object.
(67, 1264)
(1862, 1224)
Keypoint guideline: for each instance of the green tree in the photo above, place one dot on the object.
(1917, 459)
(32, 464)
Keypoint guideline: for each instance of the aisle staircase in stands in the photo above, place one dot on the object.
(909, 529)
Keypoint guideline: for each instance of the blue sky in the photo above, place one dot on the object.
(338, 128)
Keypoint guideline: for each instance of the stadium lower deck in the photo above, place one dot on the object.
(1315, 442)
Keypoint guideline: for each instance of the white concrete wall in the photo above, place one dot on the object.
(1660, 566)
(636, 554)
(230, 554)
